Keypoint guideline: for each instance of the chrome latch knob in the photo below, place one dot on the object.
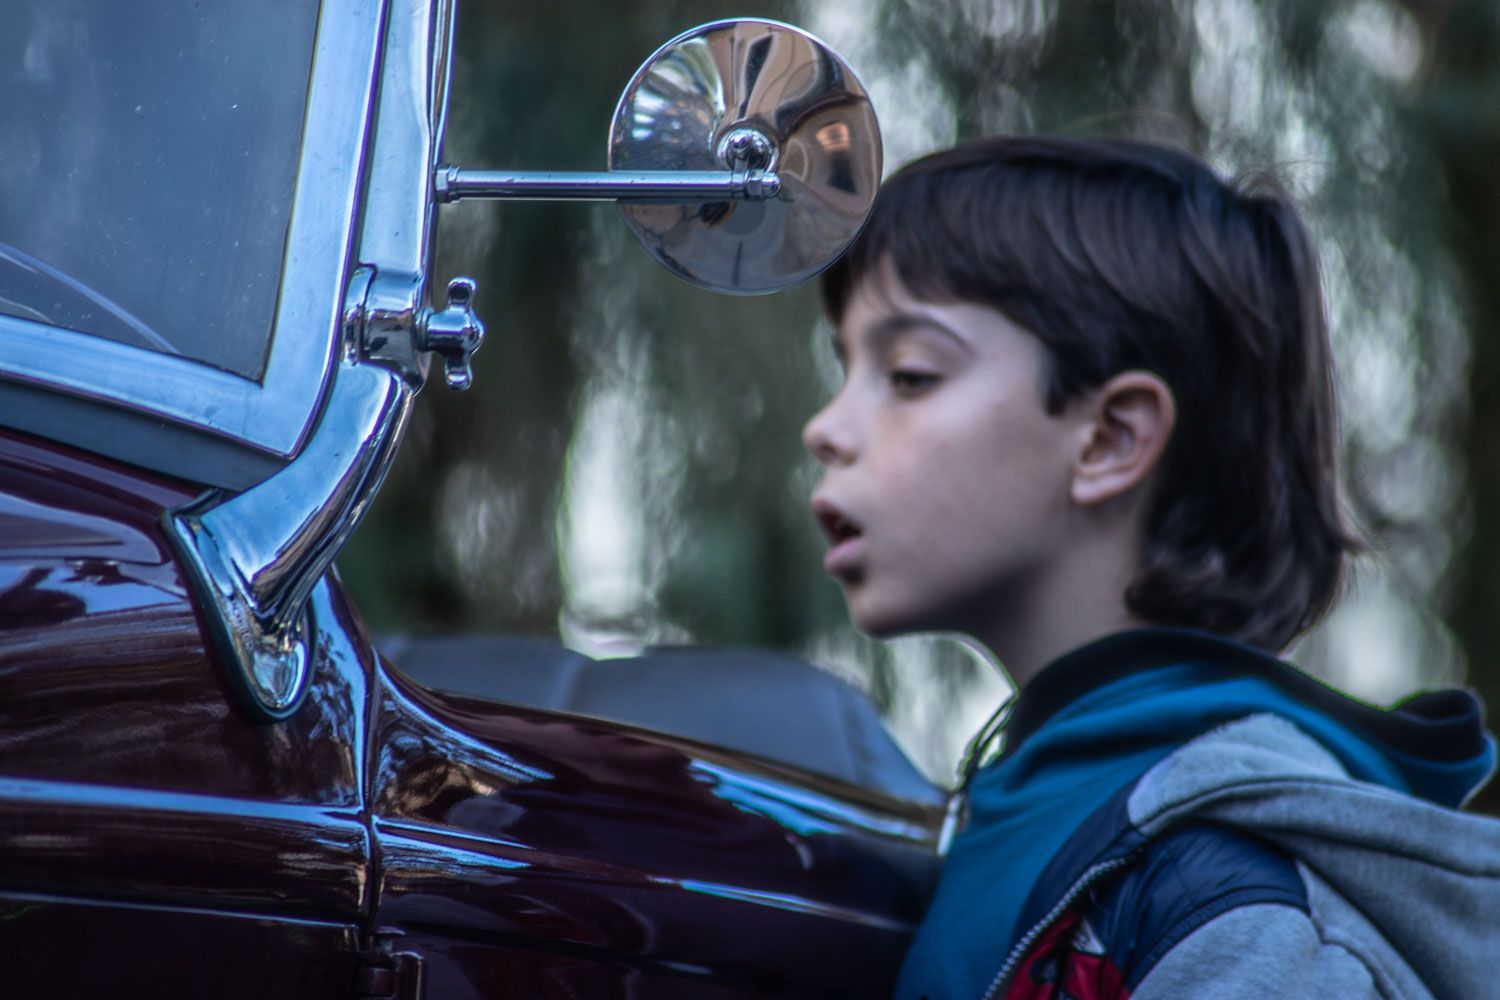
(455, 333)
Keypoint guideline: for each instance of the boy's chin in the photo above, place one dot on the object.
(887, 623)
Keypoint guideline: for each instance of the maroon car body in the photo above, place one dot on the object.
(210, 782)
(386, 837)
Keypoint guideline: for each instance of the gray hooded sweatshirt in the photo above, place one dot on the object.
(1178, 815)
(1402, 896)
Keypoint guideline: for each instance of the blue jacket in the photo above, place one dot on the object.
(1081, 873)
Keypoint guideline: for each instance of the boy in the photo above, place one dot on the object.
(1088, 420)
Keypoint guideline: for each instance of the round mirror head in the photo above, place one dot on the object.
(750, 94)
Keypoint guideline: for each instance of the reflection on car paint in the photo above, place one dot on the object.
(785, 901)
(800, 809)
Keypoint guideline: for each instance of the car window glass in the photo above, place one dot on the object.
(148, 152)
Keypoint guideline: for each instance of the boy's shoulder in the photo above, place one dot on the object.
(1110, 940)
(1183, 880)
(1250, 855)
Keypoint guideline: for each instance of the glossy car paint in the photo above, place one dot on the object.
(143, 824)
(497, 848)
(497, 822)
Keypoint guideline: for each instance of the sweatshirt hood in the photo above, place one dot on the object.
(1432, 745)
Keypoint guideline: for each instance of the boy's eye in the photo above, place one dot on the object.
(909, 381)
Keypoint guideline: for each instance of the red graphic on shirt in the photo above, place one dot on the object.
(1068, 963)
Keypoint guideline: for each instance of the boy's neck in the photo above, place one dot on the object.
(1080, 600)
(1026, 656)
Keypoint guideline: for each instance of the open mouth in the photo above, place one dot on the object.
(845, 558)
(836, 527)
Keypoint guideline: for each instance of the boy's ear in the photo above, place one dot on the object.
(1129, 421)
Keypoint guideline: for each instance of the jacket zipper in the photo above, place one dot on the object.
(1092, 874)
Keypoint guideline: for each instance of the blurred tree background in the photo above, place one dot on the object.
(628, 471)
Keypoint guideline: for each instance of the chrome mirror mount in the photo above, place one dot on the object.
(745, 156)
(254, 557)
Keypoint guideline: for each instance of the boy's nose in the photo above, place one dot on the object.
(829, 444)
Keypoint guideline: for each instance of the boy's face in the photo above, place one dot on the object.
(945, 488)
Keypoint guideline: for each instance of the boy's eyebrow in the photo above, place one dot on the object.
(890, 327)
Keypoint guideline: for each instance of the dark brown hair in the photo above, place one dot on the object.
(1125, 255)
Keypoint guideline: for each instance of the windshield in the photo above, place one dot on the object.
(148, 154)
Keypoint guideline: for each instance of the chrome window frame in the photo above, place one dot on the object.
(253, 557)
(273, 416)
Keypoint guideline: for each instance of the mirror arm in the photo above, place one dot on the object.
(451, 183)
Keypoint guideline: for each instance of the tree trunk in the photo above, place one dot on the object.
(1461, 107)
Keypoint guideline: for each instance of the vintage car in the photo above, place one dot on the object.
(213, 327)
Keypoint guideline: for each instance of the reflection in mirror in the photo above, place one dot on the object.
(743, 95)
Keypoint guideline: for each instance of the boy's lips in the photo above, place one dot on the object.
(845, 537)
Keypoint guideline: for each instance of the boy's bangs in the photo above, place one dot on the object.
(901, 234)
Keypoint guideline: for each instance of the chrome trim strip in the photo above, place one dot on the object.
(274, 415)
(396, 234)
(396, 230)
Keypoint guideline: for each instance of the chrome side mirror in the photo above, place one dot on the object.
(745, 155)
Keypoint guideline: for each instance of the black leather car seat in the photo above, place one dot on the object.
(753, 701)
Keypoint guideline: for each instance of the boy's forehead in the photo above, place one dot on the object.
(881, 306)
(881, 312)
(875, 301)
(882, 288)
(881, 293)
